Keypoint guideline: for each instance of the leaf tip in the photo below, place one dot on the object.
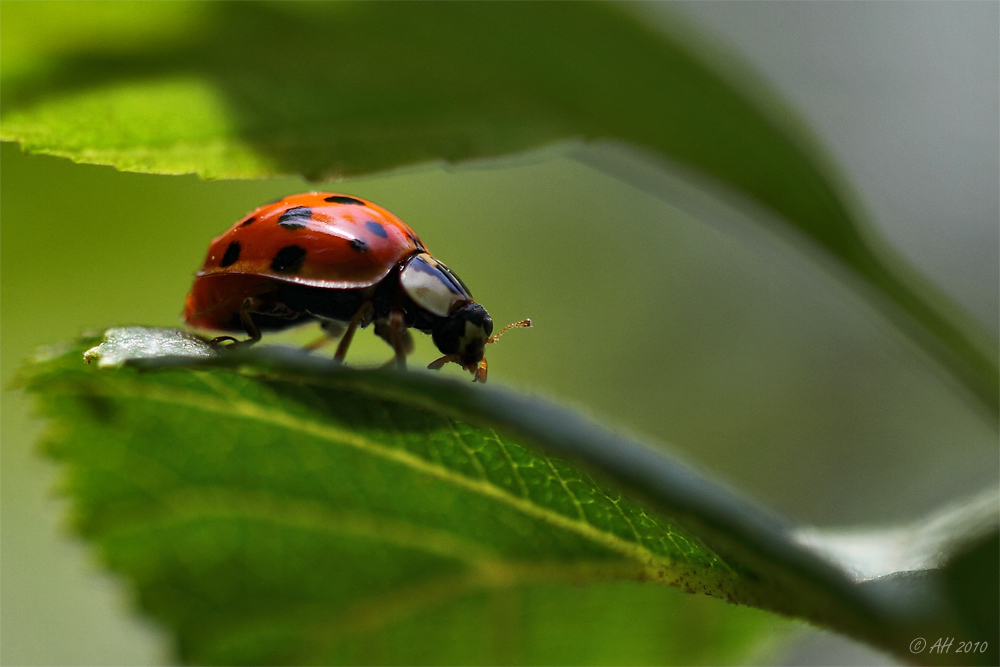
(123, 344)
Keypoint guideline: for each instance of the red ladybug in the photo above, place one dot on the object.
(347, 263)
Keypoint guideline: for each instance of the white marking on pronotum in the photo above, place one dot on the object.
(429, 288)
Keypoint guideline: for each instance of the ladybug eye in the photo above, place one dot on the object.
(432, 286)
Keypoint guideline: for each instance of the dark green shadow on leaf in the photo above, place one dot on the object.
(973, 581)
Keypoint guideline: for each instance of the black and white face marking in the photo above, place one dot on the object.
(464, 333)
(473, 341)
(432, 286)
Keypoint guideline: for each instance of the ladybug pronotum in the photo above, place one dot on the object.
(347, 263)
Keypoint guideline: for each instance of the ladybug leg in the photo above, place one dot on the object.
(402, 341)
(320, 342)
(333, 332)
(249, 306)
(437, 364)
(363, 315)
(215, 342)
(393, 331)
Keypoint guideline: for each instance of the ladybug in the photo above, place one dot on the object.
(347, 263)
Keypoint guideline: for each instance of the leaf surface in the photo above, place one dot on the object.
(271, 506)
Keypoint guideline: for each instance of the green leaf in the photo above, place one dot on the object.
(272, 506)
(276, 518)
(973, 580)
(331, 89)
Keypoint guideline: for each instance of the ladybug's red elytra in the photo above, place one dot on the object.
(347, 263)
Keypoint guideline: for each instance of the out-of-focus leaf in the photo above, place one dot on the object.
(973, 580)
(328, 89)
(925, 544)
(948, 560)
(272, 506)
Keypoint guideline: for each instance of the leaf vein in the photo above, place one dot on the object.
(657, 565)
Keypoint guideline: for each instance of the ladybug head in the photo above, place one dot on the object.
(463, 336)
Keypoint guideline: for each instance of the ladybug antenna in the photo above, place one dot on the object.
(523, 324)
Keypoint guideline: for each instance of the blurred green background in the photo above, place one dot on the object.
(658, 311)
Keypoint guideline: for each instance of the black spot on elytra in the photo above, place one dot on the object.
(232, 254)
(289, 259)
(358, 245)
(295, 218)
(377, 229)
(247, 221)
(340, 199)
